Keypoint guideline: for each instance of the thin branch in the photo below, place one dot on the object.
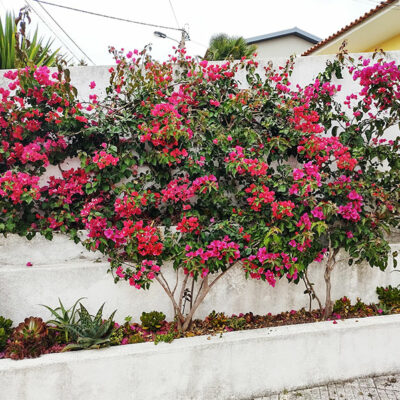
(310, 286)
(183, 287)
(177, 310)
(176, 283)
(191, 294)
(165, 281)
(198, 292)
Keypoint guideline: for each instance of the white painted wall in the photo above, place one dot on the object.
(63, 269)
(282, 47)
(238, 365)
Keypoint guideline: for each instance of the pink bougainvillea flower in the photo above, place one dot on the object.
(29, 264)
(92, 85)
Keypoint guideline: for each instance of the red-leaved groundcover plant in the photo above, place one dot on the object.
(210, 166)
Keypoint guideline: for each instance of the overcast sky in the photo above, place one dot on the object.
(204, 18)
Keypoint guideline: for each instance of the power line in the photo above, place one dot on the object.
(63, 30)
(198, 43)
(173, 12)
(54, 33)
(109, 16)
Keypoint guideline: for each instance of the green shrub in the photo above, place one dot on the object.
(389, 296)
(342, 306)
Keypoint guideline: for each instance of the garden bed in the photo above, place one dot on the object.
(234, 365)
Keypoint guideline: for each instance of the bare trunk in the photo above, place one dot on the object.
(177, 312)
(203, 291)
(200, 297)
(312, 293)
(183, 322)
(328, 286)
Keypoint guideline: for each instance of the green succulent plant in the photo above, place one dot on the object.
(217, 320)
(91, 332)
(166, 337)
(29, 339)
(136, 338)
(63, 318)
(5, 332)
(237, 324)
(117, 336)
(389, 296)
(152, 321)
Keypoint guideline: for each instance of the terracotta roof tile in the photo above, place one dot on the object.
(368, 14)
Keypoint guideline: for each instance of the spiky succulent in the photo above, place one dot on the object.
(91, 332)
(29, 339)
(62, 318)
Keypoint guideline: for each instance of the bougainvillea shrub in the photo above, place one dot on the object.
(40, 119)
(184, 162)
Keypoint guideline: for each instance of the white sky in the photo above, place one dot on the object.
(207, 17)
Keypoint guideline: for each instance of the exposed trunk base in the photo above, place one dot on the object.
(184, 321)
(311, 293)
(330, 265)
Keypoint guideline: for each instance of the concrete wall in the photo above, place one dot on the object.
(62, 269)
(238, 365)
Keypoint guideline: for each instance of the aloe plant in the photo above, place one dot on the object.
(91, 332)
(18, 49)
(63, 317)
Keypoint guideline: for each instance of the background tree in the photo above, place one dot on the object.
(223, 47)
(18, 48)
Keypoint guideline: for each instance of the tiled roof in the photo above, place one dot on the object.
(364, 17)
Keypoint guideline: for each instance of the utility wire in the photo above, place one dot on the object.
(51, 30)
(65, 33)
(108, 16)
(198, 43)
(173, 12)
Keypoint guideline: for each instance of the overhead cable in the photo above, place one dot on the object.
(51, 30)
(109, 16)
(65, 33)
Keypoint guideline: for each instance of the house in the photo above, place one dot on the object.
(283, 43)
(379, 28)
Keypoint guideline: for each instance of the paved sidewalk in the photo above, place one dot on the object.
(379, 388)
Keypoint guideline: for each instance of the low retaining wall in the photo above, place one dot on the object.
(238, 365)
(62, 269)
